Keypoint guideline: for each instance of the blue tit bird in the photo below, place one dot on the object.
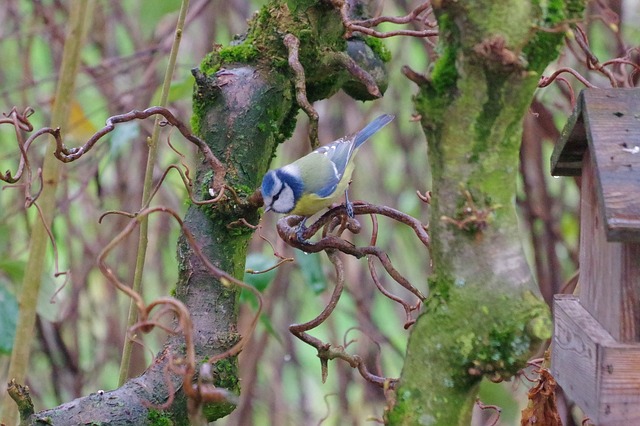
(318, 179)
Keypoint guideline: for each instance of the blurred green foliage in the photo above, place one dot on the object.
(8, 317)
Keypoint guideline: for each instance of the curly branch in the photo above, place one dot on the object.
(287, 229)
(496, 408)
(292, 44)
(592, 63)
(374, 276)
(364, 26)
(332, 244)
(67, 155)
(21, 122)
(359, 208)
(325, 351)
(545, 81)
(186, 367)
(592, 60)
(345, 61)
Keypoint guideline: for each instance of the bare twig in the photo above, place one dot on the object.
(411, 16)
(20, 122)
(325, 351)
(592, 61)
(359, 208)
(345, 61)
(365, 26)
(292, 44)
(425, 198)
(497, 409)
(408, 309)
(277, 265)
(287, 229)
(66, 155)
(186, 366)
(621, 78)
(326, 403)
(545, 81)
(333, 224)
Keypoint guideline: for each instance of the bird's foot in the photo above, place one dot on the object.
(348, 205)
(300, 231)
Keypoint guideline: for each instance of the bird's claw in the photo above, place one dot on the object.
(300, 232)
(349, 207)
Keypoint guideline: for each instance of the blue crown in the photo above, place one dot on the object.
(268, 182)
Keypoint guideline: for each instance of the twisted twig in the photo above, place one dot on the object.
(293, 44)
(364, 26)
(333, 223)
(186, 367)
(325, 351)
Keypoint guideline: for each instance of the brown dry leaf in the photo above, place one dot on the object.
(542, 408)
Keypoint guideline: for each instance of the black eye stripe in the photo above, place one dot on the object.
(277, 195)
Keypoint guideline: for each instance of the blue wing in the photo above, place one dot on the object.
(340, 151)
(322, 176)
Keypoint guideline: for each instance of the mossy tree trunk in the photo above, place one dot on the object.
(484, 316)
(244, 105)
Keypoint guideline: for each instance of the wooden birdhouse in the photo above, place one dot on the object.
(596, 342)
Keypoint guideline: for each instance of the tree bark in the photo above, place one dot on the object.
(484, 317)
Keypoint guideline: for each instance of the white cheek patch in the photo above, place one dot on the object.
(285, 201)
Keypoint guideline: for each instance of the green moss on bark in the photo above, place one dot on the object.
(467, 335)
(445, 73)
(545, 46)
(379, 48)
(483, 317)
(318, 27)
(159, 418)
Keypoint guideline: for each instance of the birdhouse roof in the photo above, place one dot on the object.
(607, 122)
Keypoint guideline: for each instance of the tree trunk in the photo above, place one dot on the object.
(484, 317)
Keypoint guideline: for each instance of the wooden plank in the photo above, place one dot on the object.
(619, 386)
(612, 121)
(607, 122)
(574, 352)
(598, 373)
(609, 271)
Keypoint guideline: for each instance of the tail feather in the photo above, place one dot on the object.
(371, 128)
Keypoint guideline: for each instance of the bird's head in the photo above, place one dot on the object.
(281, 190)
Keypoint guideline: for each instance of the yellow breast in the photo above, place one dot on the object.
(310, 204)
